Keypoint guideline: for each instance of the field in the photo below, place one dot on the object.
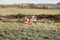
(9, 11)
(35, 31)
(19, 31)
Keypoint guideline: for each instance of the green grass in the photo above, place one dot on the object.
(38, 31)
(35, 31)
(8, 11)
(41, 26)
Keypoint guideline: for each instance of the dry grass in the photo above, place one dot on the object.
(42, 26)
(8, 11)
(38, 31)
(35, 31)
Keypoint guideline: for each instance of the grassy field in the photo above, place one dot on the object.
(42, 26)
(35, 31)
(8, 11)
(38, 31)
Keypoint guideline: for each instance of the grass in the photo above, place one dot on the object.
(35, 31)
(38, 31)
(9, 11)
(42, 26)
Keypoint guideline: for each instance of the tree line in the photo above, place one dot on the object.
(35, 6)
